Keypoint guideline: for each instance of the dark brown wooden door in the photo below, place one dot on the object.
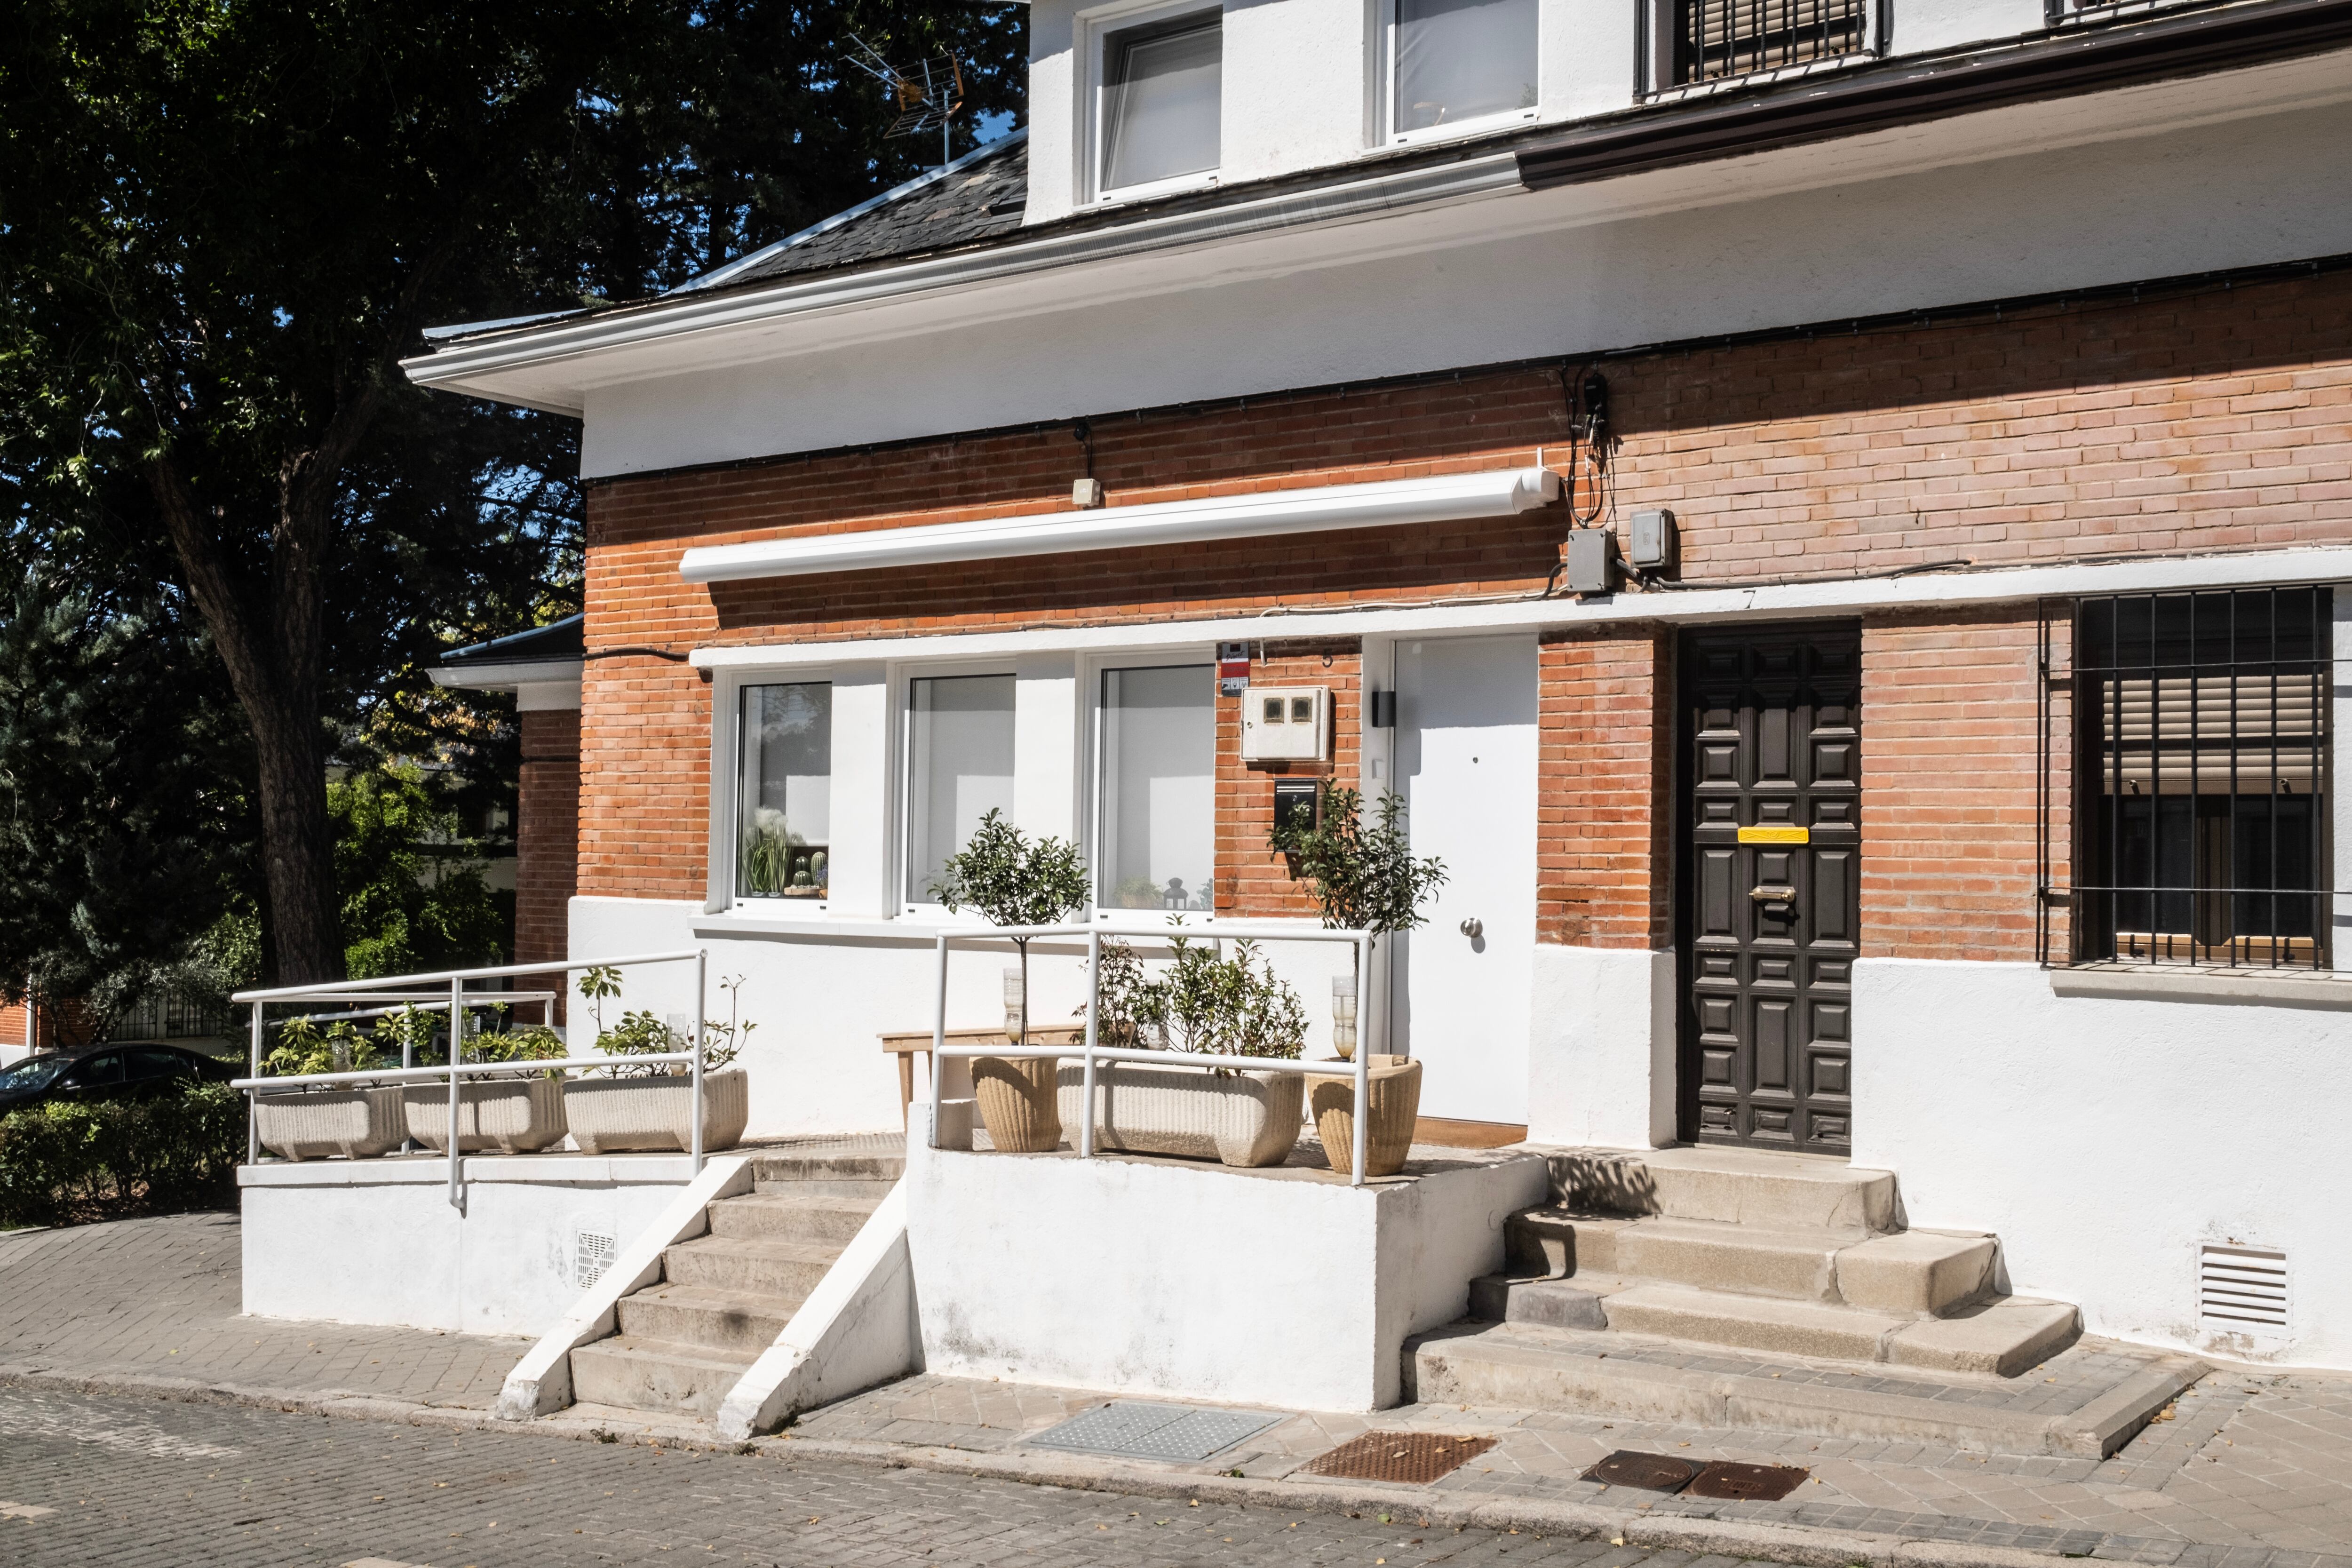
(1771, 888)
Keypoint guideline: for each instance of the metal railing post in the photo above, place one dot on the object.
(1094, 1025)
(252, 1105)
(701, 999)
(939, 1036)
(1363, 1068)
(457, 1054)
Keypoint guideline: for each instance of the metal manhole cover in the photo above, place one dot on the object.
(1415, 1458)
(1182, 1432)
(1758, 1483)
(1651, 1472)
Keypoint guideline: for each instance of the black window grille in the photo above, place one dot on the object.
(1720, 38)
(2200, 740)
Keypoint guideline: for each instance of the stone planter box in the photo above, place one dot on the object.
(1017, 1103)
(618, 1115)
(1395, 1093)
(514, 1116)
(356, 1123)
(1248, 1119)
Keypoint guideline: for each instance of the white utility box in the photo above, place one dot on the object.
(1286, 724)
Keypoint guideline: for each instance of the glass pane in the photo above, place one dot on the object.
(960, 768)
(786, 799)
(1160, 111)
(1463, 59)
(1159, 787)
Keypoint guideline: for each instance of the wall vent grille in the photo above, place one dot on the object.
(2242, 1290)
(591, 1254)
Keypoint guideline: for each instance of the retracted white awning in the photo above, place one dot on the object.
(1445, 498)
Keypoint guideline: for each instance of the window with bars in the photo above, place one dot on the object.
(2202, 735)
(1717, 39)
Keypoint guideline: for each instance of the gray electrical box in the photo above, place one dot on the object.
(1592, 560)
(1650, 542)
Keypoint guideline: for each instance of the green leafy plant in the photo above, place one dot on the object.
(767, 853)
(65, 1162)
(641, 1034)
(1013, 880)
(1122, 993)
(1362, 877)
(304, 1049)
(1215, 1006)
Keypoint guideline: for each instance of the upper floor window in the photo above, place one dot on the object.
(783, 844)
(1715, 39)
(1157, 120)
(1157, 806)
(1455, 62)
(2201, 783)
(959, 768)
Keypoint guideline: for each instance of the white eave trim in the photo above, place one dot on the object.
(506, 677)
(1446, 498)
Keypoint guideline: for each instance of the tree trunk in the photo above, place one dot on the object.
(298, 845)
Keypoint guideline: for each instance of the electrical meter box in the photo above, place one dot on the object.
(1286, 724)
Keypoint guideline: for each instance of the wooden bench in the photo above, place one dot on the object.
(907, 1044)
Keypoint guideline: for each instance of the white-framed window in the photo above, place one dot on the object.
(1158, 100)
(783, 842)
(959, 741)
(1156, 788)
(1455, 64)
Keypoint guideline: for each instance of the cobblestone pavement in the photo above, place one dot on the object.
(162, 1298)
(151, 1484)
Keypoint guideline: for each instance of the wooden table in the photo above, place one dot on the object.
(907, 1045)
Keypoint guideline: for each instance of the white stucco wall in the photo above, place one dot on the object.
(2104, 1140)
(376, 1241)
(1601, 1055)
(1194, 1280)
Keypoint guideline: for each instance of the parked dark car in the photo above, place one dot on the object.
(121, 1071)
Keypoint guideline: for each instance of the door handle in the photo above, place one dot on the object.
(1474, 927)
(1773, 893)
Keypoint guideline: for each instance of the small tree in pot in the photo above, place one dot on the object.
(1013, 880)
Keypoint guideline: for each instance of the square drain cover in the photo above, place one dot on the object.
(1416, 1457)
(1129, 1430)
(1759, 1483)
(1651, 1472)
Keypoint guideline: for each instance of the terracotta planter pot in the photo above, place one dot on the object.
(1252, 1118)
(514, 1116)
(1017, 1104)
(610, 1115)
(1396, 1091)
(356, 1123)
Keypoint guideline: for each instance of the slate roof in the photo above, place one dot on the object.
(558, 642)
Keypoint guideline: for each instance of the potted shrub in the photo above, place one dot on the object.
(649, 1106)
(513, 1115)
(1363, 878)
(314, 1123)
(1208, 1003)
(1014, 881)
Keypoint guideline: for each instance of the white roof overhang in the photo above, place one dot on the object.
(1445, 498)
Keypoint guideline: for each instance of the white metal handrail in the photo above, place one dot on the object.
(1093, 1052)
(455, 1070)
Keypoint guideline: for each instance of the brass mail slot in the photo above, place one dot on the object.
(1776, 835)
(1773, 893)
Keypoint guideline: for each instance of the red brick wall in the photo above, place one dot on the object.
(645, 799)
(1604, 845)
(1949, 730)
(1253, 880)
(547, 835)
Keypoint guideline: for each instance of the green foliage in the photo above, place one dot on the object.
(1362, 879)
(304, 1049)
(1203, 1003)
(69, 1163)
(1012, 879)
(406, 906)
(641, 1034)
(1122, 996)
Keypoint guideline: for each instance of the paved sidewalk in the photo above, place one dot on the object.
(2246, 1471)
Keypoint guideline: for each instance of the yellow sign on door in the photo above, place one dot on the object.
(1776, 835)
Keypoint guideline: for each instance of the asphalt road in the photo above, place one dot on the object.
(134, 1483)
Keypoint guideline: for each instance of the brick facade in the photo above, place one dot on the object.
(1252, 879)
(547, 835)
(2212, 420)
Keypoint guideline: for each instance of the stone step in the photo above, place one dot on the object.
(654, 1374)
(1908, 1272)
(2004, 1336)
(884, 1168)
(819, 1218)
(784, 1270)
(2092, 1410)
(726, 1322)
(1767, 1188)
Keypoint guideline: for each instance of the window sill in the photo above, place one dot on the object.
(2323, 989)
(1484, 125)
(741, 921)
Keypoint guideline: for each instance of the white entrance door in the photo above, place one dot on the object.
(1466, 744)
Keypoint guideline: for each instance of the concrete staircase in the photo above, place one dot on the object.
(1725, 1287)
(685, 1341)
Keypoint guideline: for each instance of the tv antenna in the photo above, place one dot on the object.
(927, 94)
